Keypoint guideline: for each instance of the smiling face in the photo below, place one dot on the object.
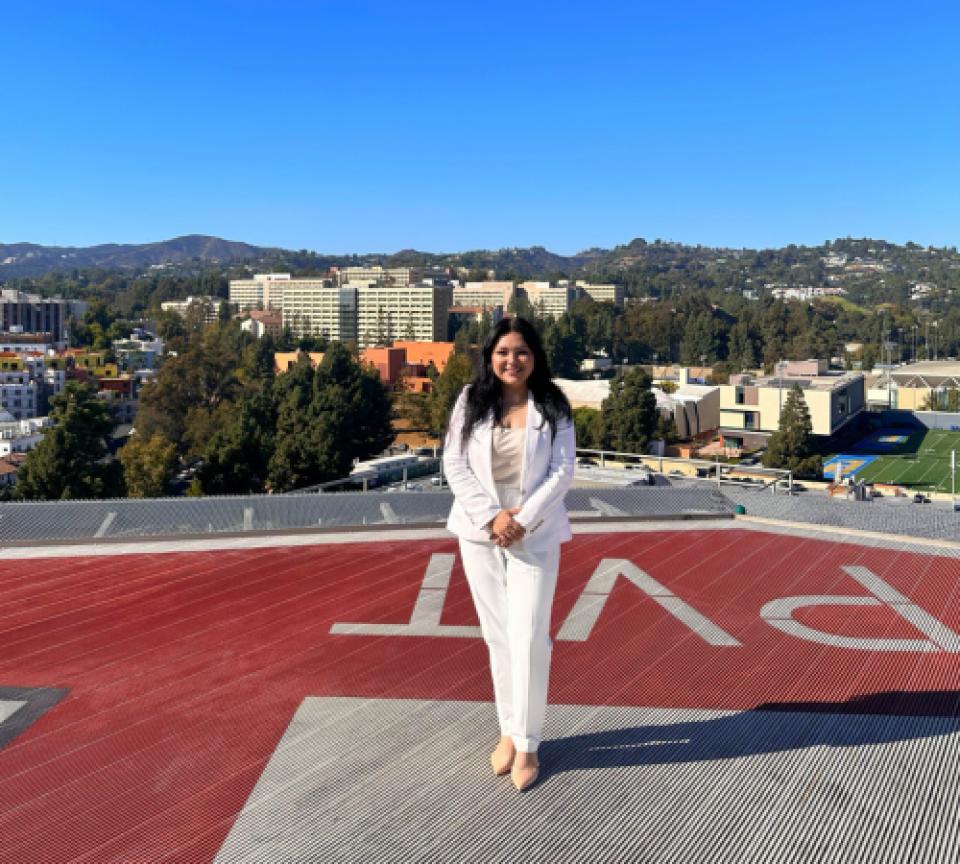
(512, 361)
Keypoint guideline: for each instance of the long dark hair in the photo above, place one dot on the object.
(484, 395)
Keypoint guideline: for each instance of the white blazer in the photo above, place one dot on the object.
(545, 476)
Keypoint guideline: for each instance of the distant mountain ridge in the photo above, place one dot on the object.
(31, 259)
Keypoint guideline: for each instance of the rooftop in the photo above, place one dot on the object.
(809, 382)
(233, 680)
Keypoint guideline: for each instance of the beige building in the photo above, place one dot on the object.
(548, 299)
(603, 293)
(317, 307)
(263, 291)
(485, 295)
(415, 312)
(913, 384)
(379, 275)
(750, 406)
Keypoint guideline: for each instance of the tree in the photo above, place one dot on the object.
(148, 465)
(629, 414)
(588, 426)
(563, 346)
(791, 446)
(457, 373)
(69, 461)
(326, 418)
(238, 454)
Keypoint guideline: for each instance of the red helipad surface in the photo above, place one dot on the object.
(183, 670)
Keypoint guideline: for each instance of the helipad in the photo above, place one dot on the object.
(721, 691)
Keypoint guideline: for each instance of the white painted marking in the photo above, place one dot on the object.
(605, 508)
(590, 603)
(779, 614)
(389, 514)
(105, 525)
(425, 618)
(9, 707)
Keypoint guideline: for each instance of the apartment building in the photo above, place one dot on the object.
(21, 312)
(318, 307)
(485, 295)
(615, 294)
(263, 322)
(141, 350)
(20, 436)
(19, 394)
(413, 312)
(750, 406)
(263, 291)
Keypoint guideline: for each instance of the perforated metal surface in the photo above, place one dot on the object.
(164, 517)
(373, 780)
(205, 704)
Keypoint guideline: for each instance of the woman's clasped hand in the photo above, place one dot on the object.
(504, 529)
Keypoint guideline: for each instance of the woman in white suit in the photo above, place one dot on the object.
(509, 457)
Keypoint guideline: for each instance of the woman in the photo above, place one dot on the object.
(509, 456)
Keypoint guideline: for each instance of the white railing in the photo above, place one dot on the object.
(676, 466)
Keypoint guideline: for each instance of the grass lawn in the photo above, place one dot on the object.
(920, 460)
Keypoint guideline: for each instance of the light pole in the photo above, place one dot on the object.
(780, 389)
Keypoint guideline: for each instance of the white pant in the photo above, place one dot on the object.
(513, 593)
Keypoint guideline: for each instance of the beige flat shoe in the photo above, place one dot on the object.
(501, 760)
(524, 778)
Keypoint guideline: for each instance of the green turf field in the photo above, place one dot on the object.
(918, 459)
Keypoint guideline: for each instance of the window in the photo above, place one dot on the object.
(739, 395)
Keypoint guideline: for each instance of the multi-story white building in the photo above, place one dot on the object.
(263, 291)
(18, 394)
(141, 350)
(317, 307)
(547, 299)
(415, 312)
(485, 295)
(210, 305)
(380, 275)
(19, 436)
(603, 293)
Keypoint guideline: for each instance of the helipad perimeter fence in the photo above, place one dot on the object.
(179, 517)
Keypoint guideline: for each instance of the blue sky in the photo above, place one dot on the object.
(361, 126)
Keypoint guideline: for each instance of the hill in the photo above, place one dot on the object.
(30, 259)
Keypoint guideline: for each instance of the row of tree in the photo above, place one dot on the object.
(220, 407)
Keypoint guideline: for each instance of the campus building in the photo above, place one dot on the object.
(21, 312)
(318, 307)
(547, 299)
(919, 386)
(209, 305)
(412, 312)
(263, 291)
(484, 295)
(379, 275)
(750, 406)
(603, 293)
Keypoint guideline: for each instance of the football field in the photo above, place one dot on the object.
(918, 459)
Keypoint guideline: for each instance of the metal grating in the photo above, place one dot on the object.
(171, 517)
